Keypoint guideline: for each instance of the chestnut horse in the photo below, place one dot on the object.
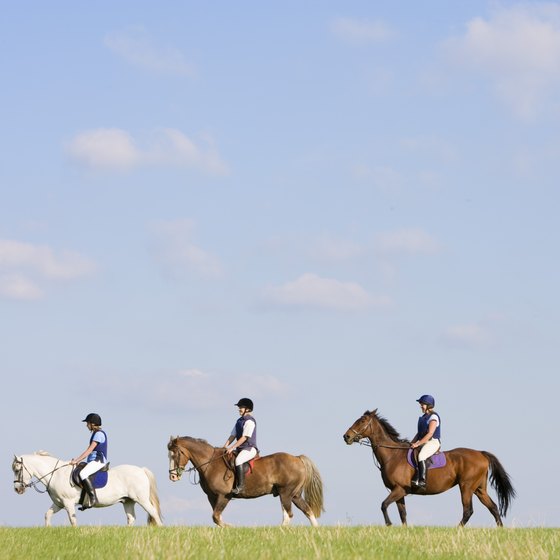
(295, 479)
(466, 467)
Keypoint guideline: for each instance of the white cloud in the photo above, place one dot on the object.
(383, 177)
(16, 286)
(360, 31)
(24, 267)
(113, 148)
(135, 47)
(312, 291)
(472, 335)
(517, 50)
(327, 248)
(177, 253)
(204, 390)
(105, 148)
(406, 241)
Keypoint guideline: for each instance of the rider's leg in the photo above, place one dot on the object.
(243, 457)
(91, 468)
(427, 450)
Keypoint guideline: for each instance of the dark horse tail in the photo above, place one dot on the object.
(499, 479)
(312, 486)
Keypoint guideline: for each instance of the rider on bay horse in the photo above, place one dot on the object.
(244, 434)
(427, 437)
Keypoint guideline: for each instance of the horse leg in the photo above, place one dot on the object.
(402, 510)
(466, 499)
(286, 503)
(302, 505)
(219, 503)
(396, 494)
(128, 506)
(50, 512)
(483, 496)
(154, 517)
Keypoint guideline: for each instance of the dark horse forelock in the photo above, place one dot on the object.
(387, 427)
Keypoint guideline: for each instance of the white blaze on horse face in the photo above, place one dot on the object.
(173, 473)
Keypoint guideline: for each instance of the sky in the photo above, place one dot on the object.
(328, 207)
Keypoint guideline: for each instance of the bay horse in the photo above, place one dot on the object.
(468, 468)
(295, 479)
(126, 484)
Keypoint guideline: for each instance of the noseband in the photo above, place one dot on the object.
(177, 471)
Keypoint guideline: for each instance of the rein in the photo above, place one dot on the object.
(365, 440)
(33, 483)
(194, 469)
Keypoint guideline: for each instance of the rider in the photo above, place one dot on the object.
(95, 456)
(427, 437)
(245, 435)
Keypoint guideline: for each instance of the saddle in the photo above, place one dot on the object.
(98, 479)
(247, 467)
(436, 461)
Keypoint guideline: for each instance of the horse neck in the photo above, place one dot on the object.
(39, 465)
(200, 452)
(378, 439)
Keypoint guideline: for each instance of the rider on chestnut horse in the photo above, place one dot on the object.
(244, 434)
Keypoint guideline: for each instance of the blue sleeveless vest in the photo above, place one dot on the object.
(423, 426)
(252, 441)
(100, 450)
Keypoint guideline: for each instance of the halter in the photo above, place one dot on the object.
(33, 483)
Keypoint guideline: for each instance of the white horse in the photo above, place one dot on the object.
(127, 484)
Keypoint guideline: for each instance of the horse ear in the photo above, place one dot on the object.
(374, 411)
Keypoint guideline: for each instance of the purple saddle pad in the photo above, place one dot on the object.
(436, 461)
(100, 479)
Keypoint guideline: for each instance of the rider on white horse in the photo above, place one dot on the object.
(95, 456)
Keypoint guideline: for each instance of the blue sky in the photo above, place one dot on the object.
(328, 207)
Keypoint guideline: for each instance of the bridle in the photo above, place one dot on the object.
(364, 440)
(178, 470)
(33, 483)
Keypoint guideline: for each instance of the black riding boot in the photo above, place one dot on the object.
(86, 483)
(421, 483)
(239, 479)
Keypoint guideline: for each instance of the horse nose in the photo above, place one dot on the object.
(345, 438)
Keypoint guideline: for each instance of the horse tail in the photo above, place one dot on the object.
(500, 481)
(312, 486)
(154, 498)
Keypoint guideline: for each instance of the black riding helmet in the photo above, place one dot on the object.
(245, 403)
(93, 418)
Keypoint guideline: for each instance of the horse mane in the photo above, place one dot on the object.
(387, 427)
(197, 440)
(43, 453)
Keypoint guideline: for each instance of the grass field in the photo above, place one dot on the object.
(372, 542)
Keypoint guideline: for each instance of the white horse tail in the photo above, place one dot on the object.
(154, 498)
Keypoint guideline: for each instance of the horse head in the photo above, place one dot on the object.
(178, 459)
(21, 474)
(360, 429)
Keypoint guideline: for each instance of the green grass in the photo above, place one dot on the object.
(244, 543)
